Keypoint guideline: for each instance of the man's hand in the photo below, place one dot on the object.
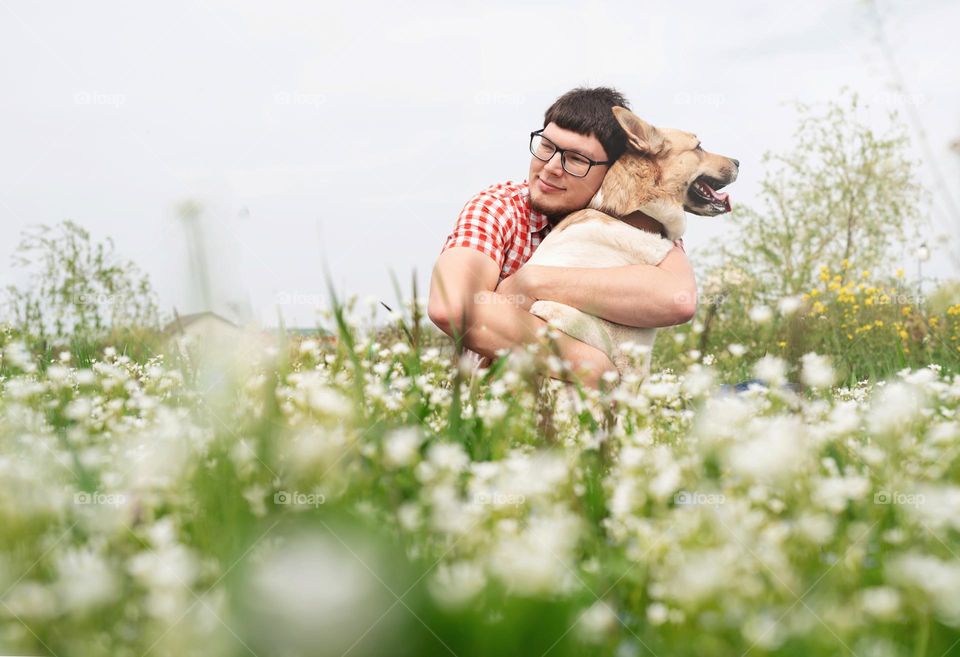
(462, 304)
(520, 287)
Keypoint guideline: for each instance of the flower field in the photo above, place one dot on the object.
(371, 496)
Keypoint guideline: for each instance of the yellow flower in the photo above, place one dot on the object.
(899, 273)
(934, 322)
(865, 273)
(879, 322)
(782, 343)
(904, 335)
(906, 311)
(868, 301)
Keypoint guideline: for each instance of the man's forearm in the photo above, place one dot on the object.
(645, 296)
(495, 323)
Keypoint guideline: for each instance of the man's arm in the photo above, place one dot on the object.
(463, 302)
(645, 296)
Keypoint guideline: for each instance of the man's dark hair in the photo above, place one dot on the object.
(590, 112)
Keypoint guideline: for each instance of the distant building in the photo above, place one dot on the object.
(205, 325)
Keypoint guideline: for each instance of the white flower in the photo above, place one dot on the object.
(401, 447)
(17, 354)
(454, 585)
(328, 401)
(761, 314)
(85, 580)
(698, 381)
(776, 449)
(537, 561)
(817, 371)
(897, 405)
(596, 622)
(938, 579)
(315, 591)
(882, 602)
(789, 305)
(771, 369)
(657, 613)
(448, 456)
(736, 349)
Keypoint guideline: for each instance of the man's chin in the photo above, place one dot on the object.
(553, 212)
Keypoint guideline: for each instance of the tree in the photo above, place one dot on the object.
(845, 197)
(76, 288)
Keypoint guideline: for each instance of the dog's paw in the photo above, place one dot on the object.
(575, 323)
(558, 314)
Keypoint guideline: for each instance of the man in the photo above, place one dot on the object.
(476, 291)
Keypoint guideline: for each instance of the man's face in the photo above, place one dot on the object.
(553, 191)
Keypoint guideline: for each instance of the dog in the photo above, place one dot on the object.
(663, 174)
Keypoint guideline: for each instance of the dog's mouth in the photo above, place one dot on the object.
(706, 199)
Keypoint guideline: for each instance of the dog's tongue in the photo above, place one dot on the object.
(723, 197)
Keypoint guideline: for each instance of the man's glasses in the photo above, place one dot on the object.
(572, 162)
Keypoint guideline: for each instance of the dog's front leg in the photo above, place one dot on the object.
(575, 323)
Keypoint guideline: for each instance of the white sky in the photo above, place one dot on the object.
(350, 136)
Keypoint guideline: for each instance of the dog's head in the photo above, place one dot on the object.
(663, 173)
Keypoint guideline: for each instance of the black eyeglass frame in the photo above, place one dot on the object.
(563, 154)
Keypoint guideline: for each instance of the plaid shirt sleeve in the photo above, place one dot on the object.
(484, 225)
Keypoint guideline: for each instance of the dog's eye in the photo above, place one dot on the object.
(698, 148)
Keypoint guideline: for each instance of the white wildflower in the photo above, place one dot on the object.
(771, 369)
(454, 585)
(817, 371)
(597, 622)
(401, 447)
(761, 314)
(789, 305)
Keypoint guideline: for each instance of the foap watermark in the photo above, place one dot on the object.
(898, 498)
(99, 299)
(699, 98)
(299, 98)
(899, 299)
(488, 97)
(114, 100)
(97, 498)
(499, 499)
(296, 498)
(684, 298)
(696, 498)
(494, 298)
(899, 99)
(298, 298)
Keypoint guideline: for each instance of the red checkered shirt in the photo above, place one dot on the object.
(500, 223)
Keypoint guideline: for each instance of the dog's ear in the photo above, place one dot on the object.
(641, 136)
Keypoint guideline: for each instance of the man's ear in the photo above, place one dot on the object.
(641, 136)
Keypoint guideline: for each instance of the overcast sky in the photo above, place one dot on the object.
(349, 136)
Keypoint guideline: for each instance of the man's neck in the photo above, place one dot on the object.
(643, 222)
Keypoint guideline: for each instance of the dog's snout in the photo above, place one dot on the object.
(736, 163)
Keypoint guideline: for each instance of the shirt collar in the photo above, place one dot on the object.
(538, 220)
